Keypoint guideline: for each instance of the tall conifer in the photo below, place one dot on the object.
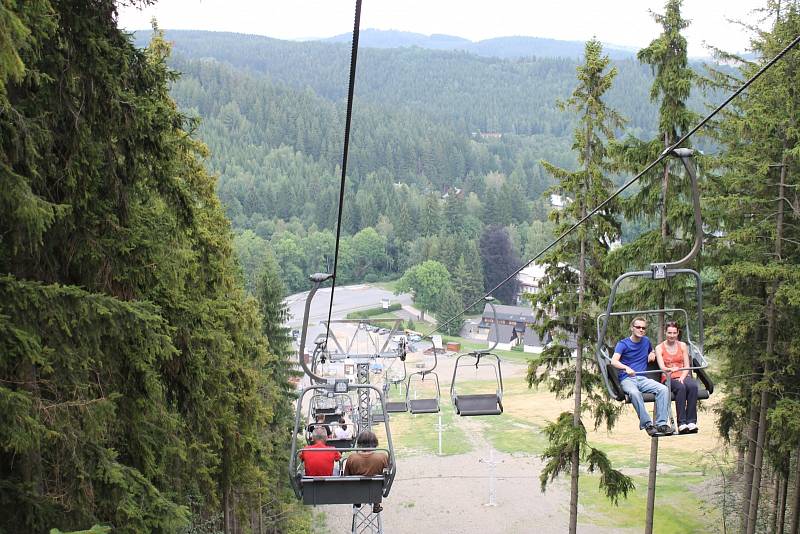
(754, 205)
(664, 197)
(573, 286)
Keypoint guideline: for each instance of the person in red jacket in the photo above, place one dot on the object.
(318, 459)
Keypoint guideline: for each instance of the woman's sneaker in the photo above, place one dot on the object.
(683, 429)
(692, 428)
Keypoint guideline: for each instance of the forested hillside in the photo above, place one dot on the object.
(427, 126)
(501, 47)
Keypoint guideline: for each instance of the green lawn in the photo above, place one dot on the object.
(416, 434)
(677, 509)
(512, 435)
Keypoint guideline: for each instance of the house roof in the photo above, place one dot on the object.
(510, 313)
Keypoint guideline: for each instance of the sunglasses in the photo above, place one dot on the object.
(640, 327)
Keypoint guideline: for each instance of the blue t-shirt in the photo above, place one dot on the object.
(634, 355)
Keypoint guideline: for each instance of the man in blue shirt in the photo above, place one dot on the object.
(631, 356)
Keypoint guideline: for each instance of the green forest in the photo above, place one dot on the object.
(162, 192)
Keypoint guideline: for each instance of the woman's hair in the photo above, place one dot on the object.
(341, 423)
(672, 324)
(367, 439)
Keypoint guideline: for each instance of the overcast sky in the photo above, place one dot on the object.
(622, 22)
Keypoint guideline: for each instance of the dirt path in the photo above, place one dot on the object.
(450, 495)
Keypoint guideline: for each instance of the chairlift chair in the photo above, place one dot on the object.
(661, 271)
(610, 374)
(479, 403)
(399, 403)
(339, 489)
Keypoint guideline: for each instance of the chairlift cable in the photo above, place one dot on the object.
(345, 150)
(630, 182)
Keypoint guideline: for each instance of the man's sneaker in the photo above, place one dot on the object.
(692, 428)
(664, 430)
(377, 508)
(683, 429)
(650, 429)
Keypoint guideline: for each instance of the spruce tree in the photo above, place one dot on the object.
(663, 199)
(752, 201)
(449, 308)
(574, 286)
(131, 379)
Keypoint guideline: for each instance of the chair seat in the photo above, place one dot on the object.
(341, 490)
(396, 407)
(423, 406)
(480, 404)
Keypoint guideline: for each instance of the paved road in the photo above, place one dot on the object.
(345, 300)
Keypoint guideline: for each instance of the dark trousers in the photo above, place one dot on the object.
(685, 396)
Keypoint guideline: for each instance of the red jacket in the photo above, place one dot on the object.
(319, 463)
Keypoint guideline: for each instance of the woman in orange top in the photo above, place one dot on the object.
(671, 355)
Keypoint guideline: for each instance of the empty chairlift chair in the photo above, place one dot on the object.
(395, 390)
(430, 402)
(486, 403)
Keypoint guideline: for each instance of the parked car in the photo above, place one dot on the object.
(414, 338)
(383, 331)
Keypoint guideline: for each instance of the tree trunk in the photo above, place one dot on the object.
(740, 459)
(227, 501)
(770, 351)
(750, 458)
(755, 490)
(776, 497)
(783, 487)
(576, 413)
(796, 507)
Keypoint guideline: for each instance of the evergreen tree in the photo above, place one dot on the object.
(274, 314)
(574, 286)
(431, 217)
(753, 203)
(449, 308)
(498, 261)
(130, 382)
(664, 197)
(467, 283)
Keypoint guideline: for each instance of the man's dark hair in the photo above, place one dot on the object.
(367, 439)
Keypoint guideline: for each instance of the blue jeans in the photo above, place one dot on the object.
(634, 386)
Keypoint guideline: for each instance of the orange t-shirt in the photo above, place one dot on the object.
(672, 359)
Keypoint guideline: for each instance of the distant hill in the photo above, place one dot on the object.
(500, 47)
